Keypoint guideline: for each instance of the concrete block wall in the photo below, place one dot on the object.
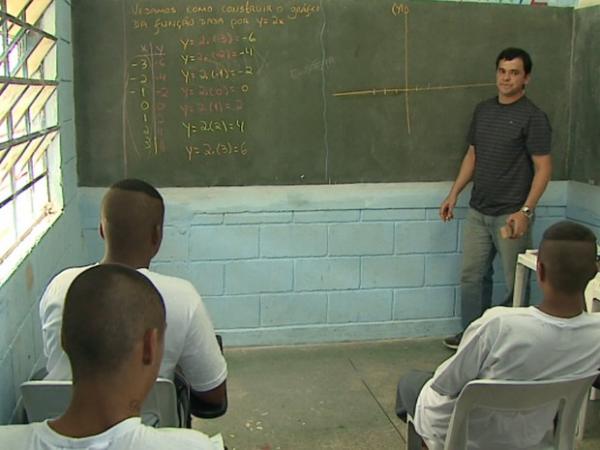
(301, 264)
(62, 245)
(584, 205)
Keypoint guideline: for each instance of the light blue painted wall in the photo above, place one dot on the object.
(20, 331)
(584, 205)
(297, 264)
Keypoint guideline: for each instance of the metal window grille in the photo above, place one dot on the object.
(28, 117)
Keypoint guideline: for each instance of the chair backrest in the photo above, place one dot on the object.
(525, 396)
(47, 399)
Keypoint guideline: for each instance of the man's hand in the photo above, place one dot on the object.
(447, 208)
(518, 223)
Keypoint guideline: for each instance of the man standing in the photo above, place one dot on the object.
(508, 160)
(131, 225)
(556, 339)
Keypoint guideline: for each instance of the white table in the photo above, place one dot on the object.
(525, 261)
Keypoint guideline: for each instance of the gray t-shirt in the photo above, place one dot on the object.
(505, 137)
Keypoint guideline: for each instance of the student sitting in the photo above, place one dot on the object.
(131, 225)
(554, 340)
(113, 334)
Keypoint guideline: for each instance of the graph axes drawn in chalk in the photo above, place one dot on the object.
(406, 90)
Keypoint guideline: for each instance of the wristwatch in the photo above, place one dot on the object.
(527, 211)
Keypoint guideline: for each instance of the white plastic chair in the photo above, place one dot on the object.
(511, 396)
(48, 399)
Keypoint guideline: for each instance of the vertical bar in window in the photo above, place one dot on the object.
(4, 61)
(13, 204)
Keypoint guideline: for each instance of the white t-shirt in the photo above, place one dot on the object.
(508, 344)
(130, 434)
(189, 340)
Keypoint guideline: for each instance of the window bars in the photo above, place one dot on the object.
(28, 116)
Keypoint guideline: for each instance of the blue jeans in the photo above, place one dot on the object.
(482, 240)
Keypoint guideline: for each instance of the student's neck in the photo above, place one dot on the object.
(134, 261)
(562, 305)
(94, 410)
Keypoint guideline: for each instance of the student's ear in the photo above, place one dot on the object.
(157, 234)
(101, 231)
(152, 350)
(540, 271)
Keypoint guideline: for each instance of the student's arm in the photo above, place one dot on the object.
(470, 358)
(518, 221)
(465, 174)
(203, 364)
(209, 404)
(597, 383)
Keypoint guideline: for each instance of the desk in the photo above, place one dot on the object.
(525, 261)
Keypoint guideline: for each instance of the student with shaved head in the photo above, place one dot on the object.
(113, 334)
(131, 226)
(556, 339)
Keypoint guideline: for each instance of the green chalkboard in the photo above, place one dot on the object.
(585, 148)
(230, 92)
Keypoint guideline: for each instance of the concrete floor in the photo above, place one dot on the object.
(334, 396)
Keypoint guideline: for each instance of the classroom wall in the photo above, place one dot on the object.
(20, 330)
(584, 205)
(323, 263)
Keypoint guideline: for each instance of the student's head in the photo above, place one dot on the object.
(131, 219)
(567, 258)
(113, 324)
(513, 66)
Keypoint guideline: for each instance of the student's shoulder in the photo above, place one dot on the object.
(16, 436)
(69, 273)
(168, 282)
(59, 284)
(498, 316)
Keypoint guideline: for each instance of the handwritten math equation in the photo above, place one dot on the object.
(194, 70)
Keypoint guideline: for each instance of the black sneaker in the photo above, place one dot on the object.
(452, 342)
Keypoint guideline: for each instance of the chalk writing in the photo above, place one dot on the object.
(216, 69)
(217, 55)
(138, 10)
(214, 91)
(218, 149)
(214, 126)
(218, 38)
(223, 73)
(313, 66)
(304, 10)
(217, 106)
(400, 9)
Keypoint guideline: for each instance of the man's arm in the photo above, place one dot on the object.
(465, 174)
(519, 222)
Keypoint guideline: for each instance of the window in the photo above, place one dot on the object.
(28, 118)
